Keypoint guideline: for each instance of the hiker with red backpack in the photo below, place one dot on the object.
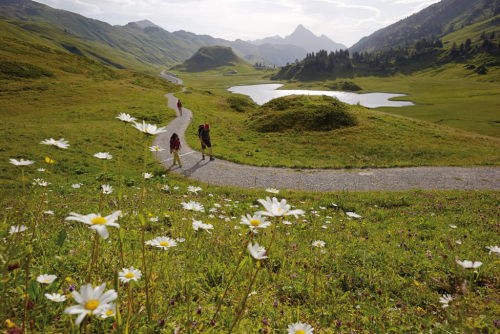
(179, 105)
(204, 134)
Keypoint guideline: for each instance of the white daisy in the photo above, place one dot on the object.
(197, 225)
(149, 243)
(469, 265)
(46, 279)
(165, 187)
(180, 239)
(128, 275)
(194, 189)
(452, 226)
(105, 155)
(353, 215)
(107, 189)
(149, 129)
(55, 297)
(193, 206)
(97, 222)
(164, 242)
(256, 251)
(21, 162)
(318, 243)
(255, 221)
(458, 242)
(300, 328)
(272, 190)
(61, 143)
(148, 175)
(108, 311)
(49, 212)
(125, 118)
(286, 222)
(41, 169)
(277, 209)
(91, 300)
(76, 185)
(17, 229)
(156, 149)
(494, 249)
(445, 300)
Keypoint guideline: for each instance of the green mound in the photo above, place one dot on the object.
(210, 58)
(23, 70)
(346, 86)
(241, 104)
(303, 113)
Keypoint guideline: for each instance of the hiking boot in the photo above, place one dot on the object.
(202, 157)
(212, 158)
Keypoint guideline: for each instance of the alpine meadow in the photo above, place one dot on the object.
(102, 233)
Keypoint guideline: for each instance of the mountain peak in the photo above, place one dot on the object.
(146, 24)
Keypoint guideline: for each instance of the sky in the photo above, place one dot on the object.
(343, 21)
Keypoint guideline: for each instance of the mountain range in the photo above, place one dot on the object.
(304, 38)
(153, 46)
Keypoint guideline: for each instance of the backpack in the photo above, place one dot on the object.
(200, 128)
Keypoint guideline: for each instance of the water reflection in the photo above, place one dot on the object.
(264, 93)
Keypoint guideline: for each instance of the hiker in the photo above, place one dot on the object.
(175, 146)
(179, 105)
(204, 134)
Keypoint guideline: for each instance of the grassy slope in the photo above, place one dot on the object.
(79, 104)
(214, 60)
(380, 140)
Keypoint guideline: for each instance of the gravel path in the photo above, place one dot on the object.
(225, 173)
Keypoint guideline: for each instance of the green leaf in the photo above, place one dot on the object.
(61, 238)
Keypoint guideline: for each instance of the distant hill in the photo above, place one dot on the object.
(431, 23)
(211, 58)
(305, 39)
(147, 24)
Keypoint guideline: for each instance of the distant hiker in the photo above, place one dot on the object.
(204, 134)
(179, 105)
(175, 146)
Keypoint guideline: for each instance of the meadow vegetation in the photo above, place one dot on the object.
(264, 136)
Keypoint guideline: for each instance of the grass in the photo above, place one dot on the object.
(379, 140)
(382, 273)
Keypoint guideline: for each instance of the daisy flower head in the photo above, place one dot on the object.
(257, 252)
(55, 297)
(97, 222)
(50, 212)
(156, 149)
(319, 243)
(353, 215)
(149, 129)
(149, 243)
(194, 189)
(300, 328)
(452, 226)
(469, 265)
(193, 206)
(494, 249)
(286, 222)
(164, 242)
(197, 225)
(108, 311)
(61, 143)
(21, 162)
(277, 209)
(107, 189)
(103, 155)
(128, 275)
(148, 175)
(41, 169)
(17, 229)
(255, 221)
(91, 301)
(165, 187)
(125, 118)
(445, 300)
(272, 190)
(46, 279)
(76, 185)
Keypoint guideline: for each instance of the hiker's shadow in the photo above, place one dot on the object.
(189, 171)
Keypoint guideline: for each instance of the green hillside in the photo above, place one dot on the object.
(434, 22)
(214, 58)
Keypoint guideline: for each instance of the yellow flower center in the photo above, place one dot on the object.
(46, 280)
(91, 305)
(129, 275)
(109, 313)
(164, 243)
(255, 222)
(98, 221)
(300, 331)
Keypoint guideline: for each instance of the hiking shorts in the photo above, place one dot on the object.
(208, 144)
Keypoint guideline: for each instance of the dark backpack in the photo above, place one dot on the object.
(200, 128)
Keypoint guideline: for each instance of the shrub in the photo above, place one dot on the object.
(240, 104)
(303, 113)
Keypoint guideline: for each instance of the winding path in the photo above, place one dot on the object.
(225, 173)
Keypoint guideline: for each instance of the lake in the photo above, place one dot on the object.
(264, 93)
